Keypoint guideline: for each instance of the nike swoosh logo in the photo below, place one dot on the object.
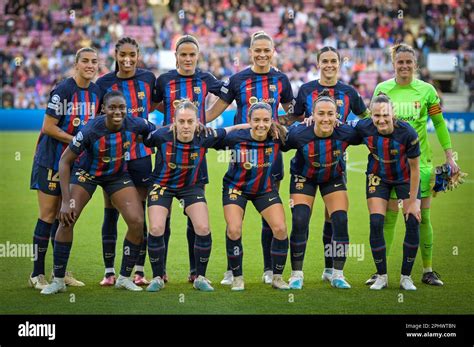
(337, 185)
(168, 153)
(249, 88)
(145, 179)
(103, 150)
(271, 199)
(313, 155)
(126, 182)
(200, 197)
(174, 91)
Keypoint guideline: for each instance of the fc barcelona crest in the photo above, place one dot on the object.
(336, 153)
(268, 151)
(339, 102)
(126, 145)
(141, 95)
(197, 90)
(299, 186)
(417, 104)
(193, 156)
(52, 186)
(394, 151)
(273, 88)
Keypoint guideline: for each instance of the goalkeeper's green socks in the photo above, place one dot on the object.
(389, 228)
(426, 240)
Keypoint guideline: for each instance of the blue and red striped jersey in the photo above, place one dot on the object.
(177, 163)
(347, 99)
(172, 87)
(106, 152)
(389, 154)
(138, 92)
(73, 107)
(250, 167)
(247, 87)
(319, 159)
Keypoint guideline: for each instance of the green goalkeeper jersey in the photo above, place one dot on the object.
(414, 103)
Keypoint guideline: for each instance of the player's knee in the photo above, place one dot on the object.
(135, 223)
(201, 228)
(376, 225)
(48, 214)
(279, 231)
(156, 230)
(234, 232)
(300, 217)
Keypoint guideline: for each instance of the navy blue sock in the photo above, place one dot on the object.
(130, 256)
(340, 238)
(410, 244)
(156, 253)
(267, 236)
(54, 228)
(61, 256)
(40, 244)
(299, 235)
(202, 252)
(377, 242)
(142, 254)
(109, 236)
(228, 263)
(166, 236)
(327, 242)
(191, 236)
(279, 254)
(235, 253)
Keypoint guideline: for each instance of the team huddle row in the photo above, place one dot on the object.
(113, 150)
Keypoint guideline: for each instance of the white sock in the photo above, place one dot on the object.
(139, 268)
(427, 269)
(337, 273)
(109, 270)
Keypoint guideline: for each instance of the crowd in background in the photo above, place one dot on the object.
(41, 37)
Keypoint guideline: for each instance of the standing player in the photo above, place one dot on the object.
(250, 177)
(319, 162)
(258, 83)
(72, 103)
(185, 83)
(347, 100)
(180, 155)
(137, 87)
(393, 164)
(415, 102)
(105, 141)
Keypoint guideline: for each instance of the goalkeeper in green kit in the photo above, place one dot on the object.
(416, 101)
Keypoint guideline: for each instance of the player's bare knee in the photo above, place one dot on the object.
(234, 232)
(279, 232)
(201, 229)
(157, 230)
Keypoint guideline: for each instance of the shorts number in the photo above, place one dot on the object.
(373, 180)
(156, 187)
(51, 177)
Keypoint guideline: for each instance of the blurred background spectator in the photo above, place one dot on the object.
(39, 38)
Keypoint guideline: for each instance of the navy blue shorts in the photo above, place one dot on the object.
(140, 171)
(260, 201)
(278, 168)
(45, 180)
(301, 185)
(110, 184)
(163, 196)
(378, 188)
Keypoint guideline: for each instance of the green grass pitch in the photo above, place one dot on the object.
(453, 253)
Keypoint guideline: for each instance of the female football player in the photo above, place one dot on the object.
(318, 162)
(258, 83)
(249, 177)
(71, 105)
(415, 102)
(105, 141)
(186, 82)
(137, 86)
(347, 100)
(180, 155)
(393, 163)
